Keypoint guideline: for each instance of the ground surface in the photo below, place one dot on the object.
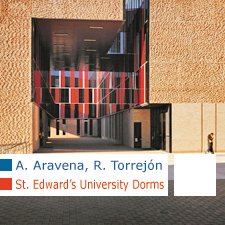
(115, 210)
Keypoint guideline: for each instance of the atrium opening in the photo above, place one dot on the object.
(90, 78)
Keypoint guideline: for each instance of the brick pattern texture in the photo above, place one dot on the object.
(187, 40)
(15, 54)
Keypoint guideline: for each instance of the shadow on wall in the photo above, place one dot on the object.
(56, 129)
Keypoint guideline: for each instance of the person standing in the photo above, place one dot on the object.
(210, 143)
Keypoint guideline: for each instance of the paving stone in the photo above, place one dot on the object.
(115, 210)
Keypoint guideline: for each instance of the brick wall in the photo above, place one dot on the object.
(15, 54)
(187, 57)
(78, 9)
(192, 122)
(15, 72)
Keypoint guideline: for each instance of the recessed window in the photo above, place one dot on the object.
(81, 95)
(64, 95)
(78, 127)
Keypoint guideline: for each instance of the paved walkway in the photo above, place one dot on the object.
(115, 210)
(88, 144)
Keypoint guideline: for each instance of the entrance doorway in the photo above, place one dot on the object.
(160, 127)
(137, 135)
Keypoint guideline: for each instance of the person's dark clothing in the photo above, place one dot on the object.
(210, 144)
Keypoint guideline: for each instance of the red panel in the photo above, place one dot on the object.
(122, 86)
(72, 79)
(62, 110)
(86, 110)
(114, 84)
(86, 77)
(86, 100)
(38, 95)
(62, 79)
(86, 95)
(141, 86)
(36, 78)
(57, 95)
(95, 96)
(80, 111)
(37, 87)
(5, 183)
(142, 73)
(75, 96)
(97, 110)
(76, 91)
(72, 95)
(72, 109)
(114, 108)
(39, 79)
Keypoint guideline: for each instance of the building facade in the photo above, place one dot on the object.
(144, 73)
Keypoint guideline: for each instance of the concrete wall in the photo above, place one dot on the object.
(60, 127)
(71, 128)
(95, 127)
(187, 51)
(15, 55)
(112, 127)
(208, 123)
(168, 130)
(143, 116)
(53, 128)
(45, 126)
(120, 127)
(220, 131)
(186, 127)
(128, 128)
(36, 126)
(192, 122)
(103, 130)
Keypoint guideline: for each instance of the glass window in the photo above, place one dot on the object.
(76, 78)
(67, 78)
(78, 127)
(76, 112)
(90, 95)
(67, 111)
(54, 78)
(64, 95)
(81, 95)
(57, 127)
(90, 127)
(92, 79)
